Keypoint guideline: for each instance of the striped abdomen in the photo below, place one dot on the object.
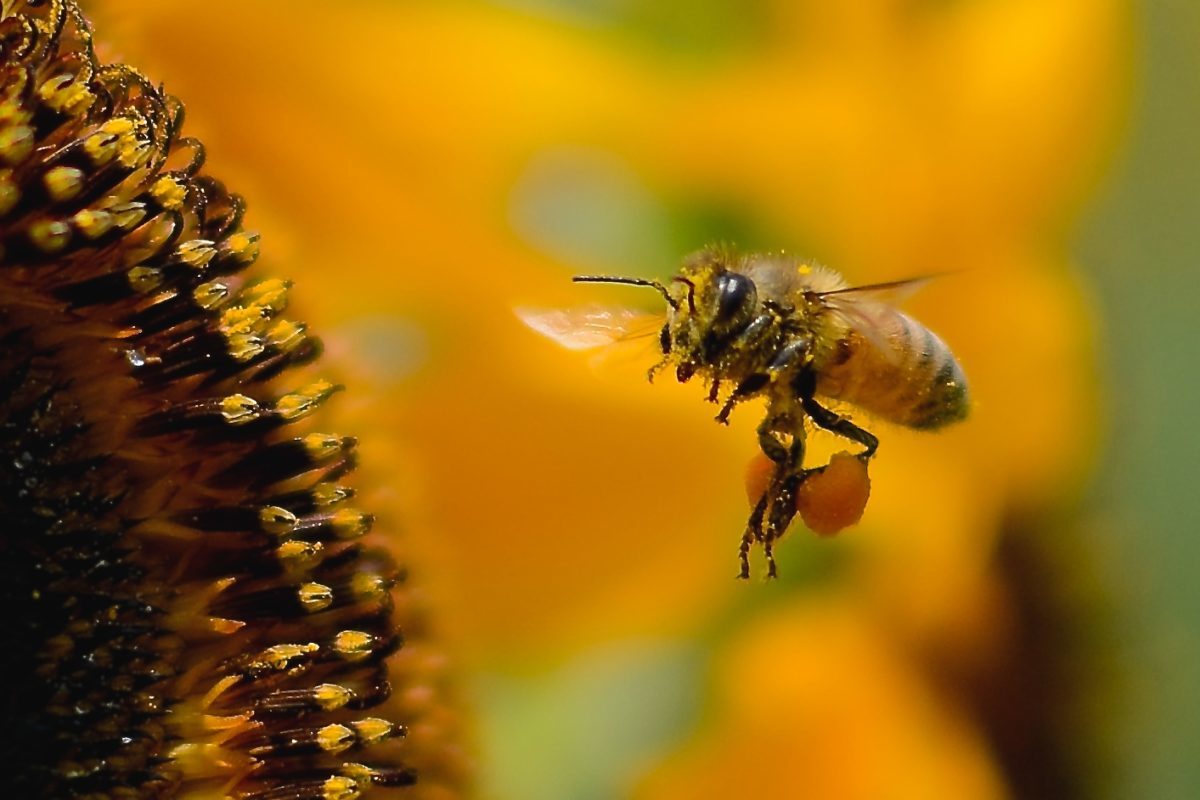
(900, 371)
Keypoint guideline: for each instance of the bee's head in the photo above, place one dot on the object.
(714, 303)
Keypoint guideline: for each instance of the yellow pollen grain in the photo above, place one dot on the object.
(101, 147)
(196, 253)
(63, 183)
(10, 195)
(169, 193)
(134, 152)
(271, 293)
(16, 143)
(330, 696)
(279, 656)
(349, 523)
(335, 738)
(296, 554)
(242, 246)
(144, 279)
(321, 446)
(328, 494)
(286, 335)
(277, 521)
(297, 404)
(293, 406)
(118, 126)
(340, 788)
(314, 597)
(64, 94)
(12, 113)
(353, 645)
(367, 586)
(210, 295)
(238, 409)
(50, 236)
(373, 730)
(359, 772)
(93, 223)
(321, 387)
(243, 319)
(243, 346)
(128, 215)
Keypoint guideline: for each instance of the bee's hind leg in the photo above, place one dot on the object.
(777, 506)
(752, 534)
(830, 421)
(783, 511)
(769, 556)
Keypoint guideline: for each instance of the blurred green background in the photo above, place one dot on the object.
(1139, 243)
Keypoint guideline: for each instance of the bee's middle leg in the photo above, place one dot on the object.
(752, 534)
(657, 368)
(743, 391)
(783, 502)
(714, 391)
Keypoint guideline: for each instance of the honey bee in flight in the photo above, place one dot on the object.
(770, 326)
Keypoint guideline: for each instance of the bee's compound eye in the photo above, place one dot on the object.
(734, 292)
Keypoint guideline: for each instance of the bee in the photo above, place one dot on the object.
(773, 327)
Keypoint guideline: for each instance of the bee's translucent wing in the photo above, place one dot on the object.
(890, 293)
(589, 327)
(870, 312)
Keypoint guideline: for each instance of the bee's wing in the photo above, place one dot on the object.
(889, 293)
(870, 312)
(589, 327)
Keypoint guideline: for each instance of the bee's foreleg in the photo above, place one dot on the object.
(657, 368)
(769, 556)
(830, 421)
(744, 390)
(714, 390)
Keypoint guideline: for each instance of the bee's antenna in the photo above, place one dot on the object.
(691, 292)
(631, 282)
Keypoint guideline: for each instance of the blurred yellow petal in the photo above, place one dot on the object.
(812, 702)
(389, 149)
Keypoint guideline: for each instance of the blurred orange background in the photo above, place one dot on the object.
(421, 169)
